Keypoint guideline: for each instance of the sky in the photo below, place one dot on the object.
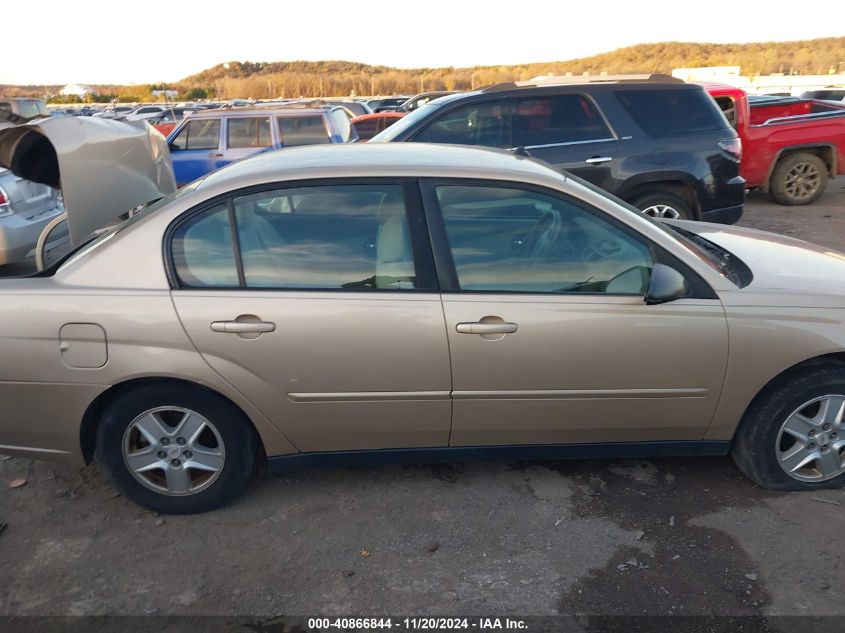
(126, 43)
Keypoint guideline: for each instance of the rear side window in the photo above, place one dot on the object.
(569, 118)
(29, 109)
(249, 132)
(332, 237)
(198, 134)
(303, 130)
(478, 124)
(667, 112)
(203, 250)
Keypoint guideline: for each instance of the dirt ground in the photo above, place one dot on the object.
(653, 537)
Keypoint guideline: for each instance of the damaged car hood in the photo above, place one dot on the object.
(102, 167)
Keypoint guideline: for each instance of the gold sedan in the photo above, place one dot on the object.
(374, 303)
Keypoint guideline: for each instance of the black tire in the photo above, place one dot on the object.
(239, 439)
(663, 198)
(754, 445)
(786, 191)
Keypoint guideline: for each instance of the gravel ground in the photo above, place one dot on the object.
(655, 537)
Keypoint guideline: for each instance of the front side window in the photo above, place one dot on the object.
(514, 240)
(483, 124)
(198, 134)
(249, 132)
(570, 118)
(309, 129)
(332, 237)
(203, 250)
(367, 129)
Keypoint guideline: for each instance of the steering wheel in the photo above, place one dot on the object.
(545, 234)
(603, 249)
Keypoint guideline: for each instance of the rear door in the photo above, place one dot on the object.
(247, 135)
(567, 131)
(196, 149)
(318, 302)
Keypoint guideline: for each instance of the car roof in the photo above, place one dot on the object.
(281, 109)
(361, 160)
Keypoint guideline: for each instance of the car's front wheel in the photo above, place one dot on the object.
(176, 449)
(793, 436)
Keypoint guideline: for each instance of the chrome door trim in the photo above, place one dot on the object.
(579, 394)
(368, 396)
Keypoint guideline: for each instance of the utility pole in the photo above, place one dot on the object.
(422, 88)
(321, 87)
(372, 86)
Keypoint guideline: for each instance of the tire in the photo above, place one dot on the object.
(798, 179)
(216, 458)
(759, 442)
(661, 204)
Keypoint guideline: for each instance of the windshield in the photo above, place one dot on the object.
(713, 255)
(405, 123)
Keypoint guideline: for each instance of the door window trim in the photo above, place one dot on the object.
(424, 266)
(447, 271)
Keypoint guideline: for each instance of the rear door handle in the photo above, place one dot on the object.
(486, 328)
(598, 160)
(242, 327)
(215, 155)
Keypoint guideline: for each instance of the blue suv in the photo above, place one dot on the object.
(210, 139)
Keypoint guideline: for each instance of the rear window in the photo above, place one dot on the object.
(667, 112)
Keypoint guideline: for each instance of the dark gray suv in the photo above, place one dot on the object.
(659, 143)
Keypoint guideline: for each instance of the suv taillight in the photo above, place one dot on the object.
(732, 147)
(5, 203)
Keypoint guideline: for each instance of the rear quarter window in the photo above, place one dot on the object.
(668, 112)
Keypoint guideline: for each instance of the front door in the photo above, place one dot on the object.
(319, 304)
(196, 149)
(549, 335)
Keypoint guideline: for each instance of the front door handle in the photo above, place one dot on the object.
(243, 327)
(215, 155)
(598, 160)
(478, 327)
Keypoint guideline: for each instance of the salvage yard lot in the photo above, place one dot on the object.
(671, 536)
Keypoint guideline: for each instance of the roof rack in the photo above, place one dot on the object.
(556, 80)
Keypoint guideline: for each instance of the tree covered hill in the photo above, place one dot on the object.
(310, 79)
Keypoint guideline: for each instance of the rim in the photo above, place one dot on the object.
(662, 211)
(811, 440)
(173, 451)
(802, 181)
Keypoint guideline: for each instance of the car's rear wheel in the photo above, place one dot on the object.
(661, 204)
(798, 179)
(793, 436)
(176, 450)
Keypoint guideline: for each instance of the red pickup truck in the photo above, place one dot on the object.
(790, 146)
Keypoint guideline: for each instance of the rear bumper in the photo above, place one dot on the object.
(18, 235)
(726, 215)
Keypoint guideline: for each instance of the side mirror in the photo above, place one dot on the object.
(666, 284)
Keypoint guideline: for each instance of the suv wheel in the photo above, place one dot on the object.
(176, 450)
(660, 204)
(794, 437)
(798, 179)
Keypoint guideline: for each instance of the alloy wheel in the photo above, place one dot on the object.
(802, 181)
(811, 440)
(173, 451)
(662, 211)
